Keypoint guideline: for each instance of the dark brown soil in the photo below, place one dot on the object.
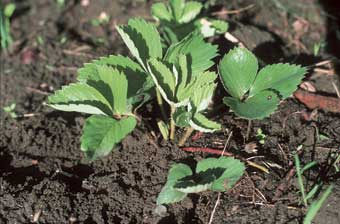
(43, 175)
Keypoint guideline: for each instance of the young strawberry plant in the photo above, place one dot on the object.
(253, 94)
(211, 174)
(179, 18)
(180, 75)
(112, 88)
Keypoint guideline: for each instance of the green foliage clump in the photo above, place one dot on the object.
(179, 18)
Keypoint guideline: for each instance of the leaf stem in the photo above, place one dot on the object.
(185, 137)
(248, 130)
(172, 123)
(161, 105)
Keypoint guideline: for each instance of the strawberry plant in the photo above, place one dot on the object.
(112, 88)
(211, 174)
(178, 75)
(253, 94)
(179, 18)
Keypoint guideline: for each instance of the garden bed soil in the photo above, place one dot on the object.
(44, 177)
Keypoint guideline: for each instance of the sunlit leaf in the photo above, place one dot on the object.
(238, 71)
(102, 133)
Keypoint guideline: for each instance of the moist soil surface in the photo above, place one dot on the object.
(44, 177)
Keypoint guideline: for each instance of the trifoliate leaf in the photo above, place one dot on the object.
(161, 12)
(283, 78)
(80, 97)
(200, 123)
(238, 70)
(168, 193)
(138, 80)
(226, 171)
(142, 39)
(200, 52)
(190, 11)
(164, 79)
(102, 133)
(255, 107)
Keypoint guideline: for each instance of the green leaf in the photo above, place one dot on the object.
(142, 39)
(168, 193)
(164, 129)
(220, 26)
(182, 117)
(177, 7)
(118, 85)
(183, 76)
(283, 78)
(316, 205)
(160, 12)
(9, 10)
(164, 79)
(80, 97)
(206, 85)
(256, 107)
(238, 70)
(190, 11)
(227, 171)
(102, 133)
(200, 123)
(197, 182)
(199, 52)
(138, 81)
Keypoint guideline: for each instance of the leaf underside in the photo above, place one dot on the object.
(102, 133)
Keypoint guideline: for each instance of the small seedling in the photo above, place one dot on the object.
(5, 29)
(179, 18)
(10, 110)
(211, 174)
(261, 137)
(255, 95)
